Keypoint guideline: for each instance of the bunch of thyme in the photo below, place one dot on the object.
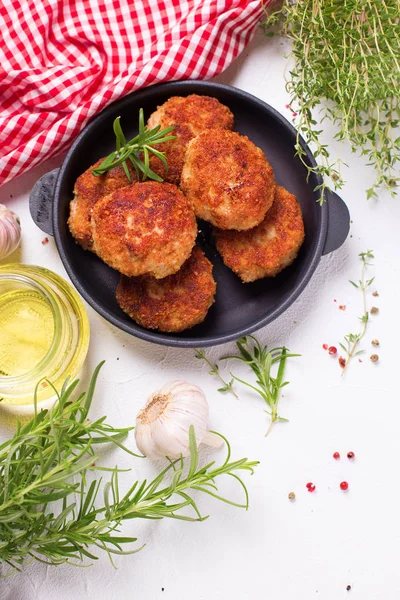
(346, 67)
(141, 145)
(352, 340)
(48, 510)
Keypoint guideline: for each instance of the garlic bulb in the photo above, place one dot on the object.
(10, 231)
(162, 426)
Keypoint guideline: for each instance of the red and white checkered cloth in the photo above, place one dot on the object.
(62, 61)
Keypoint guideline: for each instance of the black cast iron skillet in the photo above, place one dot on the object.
(239, 308)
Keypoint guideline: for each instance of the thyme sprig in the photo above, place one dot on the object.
(48, 508)
(352, 340)
(141, 145)
(214, 370)
(345, 69)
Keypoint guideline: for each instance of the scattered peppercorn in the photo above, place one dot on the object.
(375, 342)
(292, 496)
(348, 588)
(310, 486)
(351, 455)
(344, 486)
(342, 362)
(374, 357)
(374, 310)
(325, 346)
(45, 241)
(375, 294)
(332, 350)
(336, 455)
(342, 306)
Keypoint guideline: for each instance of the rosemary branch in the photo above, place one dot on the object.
(39, 515)
(261, 361)
(141, 145)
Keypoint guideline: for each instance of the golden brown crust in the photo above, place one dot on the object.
(88, 190)
(190, 116)
(145, 228)
(227, 180)
(175, 303)
(268, 248)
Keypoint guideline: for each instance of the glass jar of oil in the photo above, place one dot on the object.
(44, 334)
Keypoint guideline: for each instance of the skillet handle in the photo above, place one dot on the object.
(41, 201)
(338, 222)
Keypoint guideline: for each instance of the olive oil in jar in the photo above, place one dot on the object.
(26, 330)
(44, 337)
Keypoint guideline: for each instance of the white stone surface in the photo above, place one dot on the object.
(316, 546)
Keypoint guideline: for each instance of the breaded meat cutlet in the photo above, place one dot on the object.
(190, 116)
(174, 303)
(227, 180)
(148, 227)
(88, 190)
(268, 248)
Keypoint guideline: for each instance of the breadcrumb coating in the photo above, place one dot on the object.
(174, 303)
(227, 180)
(88, 190)
(145, 228)
(190, 115)
(268, 248)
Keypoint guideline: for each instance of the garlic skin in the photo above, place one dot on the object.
(10, 231)
(162, 426)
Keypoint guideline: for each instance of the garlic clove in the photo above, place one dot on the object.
(10, 231)
(170, 439)
(213, 440)
(147, 443)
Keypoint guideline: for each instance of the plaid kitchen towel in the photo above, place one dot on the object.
(63, 61)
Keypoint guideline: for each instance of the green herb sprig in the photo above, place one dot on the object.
(227, 386)
(142, 144)
(48, 509)
(352, 340)
(346, 69)
(261, 361)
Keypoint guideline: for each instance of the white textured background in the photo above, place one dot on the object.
(316, 546)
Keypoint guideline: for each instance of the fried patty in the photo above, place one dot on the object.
(145, 228)
(268, 248)
(88, 190)
(190, 116)
(227, 180)
(174, 303)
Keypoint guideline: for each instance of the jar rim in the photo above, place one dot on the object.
(38, 368)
